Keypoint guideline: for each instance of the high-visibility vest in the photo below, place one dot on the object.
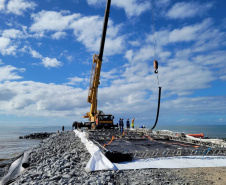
(132, 124)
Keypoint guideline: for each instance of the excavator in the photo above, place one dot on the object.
(97, 119)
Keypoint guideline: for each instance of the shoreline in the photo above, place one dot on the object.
(61, 159)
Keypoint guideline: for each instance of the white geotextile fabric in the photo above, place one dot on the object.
(16, 168)
(98, 161)
(174, 162)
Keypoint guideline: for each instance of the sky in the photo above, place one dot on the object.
(46, 51)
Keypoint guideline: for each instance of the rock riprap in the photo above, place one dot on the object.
(61, 159)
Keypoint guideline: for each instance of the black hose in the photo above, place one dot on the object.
(157, 116)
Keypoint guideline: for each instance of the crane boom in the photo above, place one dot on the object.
(97, 117)
(104, 31)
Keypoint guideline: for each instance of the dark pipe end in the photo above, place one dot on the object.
(25, 165)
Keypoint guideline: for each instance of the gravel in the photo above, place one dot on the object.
(61, 159)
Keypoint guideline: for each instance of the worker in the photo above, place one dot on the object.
(127, 124)
(132, 124)
(121, 124)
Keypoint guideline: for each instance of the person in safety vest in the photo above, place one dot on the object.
(132, 123)
(127, 123)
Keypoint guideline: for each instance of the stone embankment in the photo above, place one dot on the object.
(37, 136)
(61, 159)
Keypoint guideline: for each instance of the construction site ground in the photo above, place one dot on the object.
(146, 144)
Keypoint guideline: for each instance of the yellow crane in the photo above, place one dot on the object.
(97, 119)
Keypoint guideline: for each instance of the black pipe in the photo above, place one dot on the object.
(107, 11)
(158, 108)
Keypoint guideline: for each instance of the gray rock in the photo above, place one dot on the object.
(55, 178)
(66, 176)
(62, 157)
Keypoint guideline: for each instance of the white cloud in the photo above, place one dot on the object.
(18, 7)
(184, 10)
(30, 98)
(215, 59)
(182, 77)
(52, 21)
(146, 53)
(59, 22)
(162, 3)
(223, 77)
(46, 61)
(5, 46)
(91, 37)
(59, 35)
(12, 33)
(178, 76)
(184, 34)
(9, 73)
(2, 5)
(135, 43)
(35, 54)
(131, 7)
(4, 42)
(11, 50)
(51, 62)
(75, 80)
(197, 106)
(94, 2)
(109, 75)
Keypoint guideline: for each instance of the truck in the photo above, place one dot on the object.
(97, 119)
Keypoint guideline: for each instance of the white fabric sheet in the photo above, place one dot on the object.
(174, 162)
(98, 161)
(16, 168)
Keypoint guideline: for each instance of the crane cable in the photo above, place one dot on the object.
(155, 63)
(153, 29)
(154, 39)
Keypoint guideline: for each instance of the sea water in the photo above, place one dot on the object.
(11, 145)
(210, 131)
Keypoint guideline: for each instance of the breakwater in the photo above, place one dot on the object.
(36, 136)
(61, 159)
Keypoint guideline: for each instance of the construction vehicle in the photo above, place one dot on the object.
(97, 119)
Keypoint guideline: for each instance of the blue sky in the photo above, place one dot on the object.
(46, 50)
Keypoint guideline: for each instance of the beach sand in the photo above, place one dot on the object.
(205, 176)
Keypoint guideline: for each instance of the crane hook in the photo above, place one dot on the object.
(156, 66)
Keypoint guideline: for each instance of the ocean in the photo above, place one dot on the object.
(11, 145)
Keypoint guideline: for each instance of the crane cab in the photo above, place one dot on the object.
(103, 121)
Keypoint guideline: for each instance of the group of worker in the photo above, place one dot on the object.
(121, 124)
